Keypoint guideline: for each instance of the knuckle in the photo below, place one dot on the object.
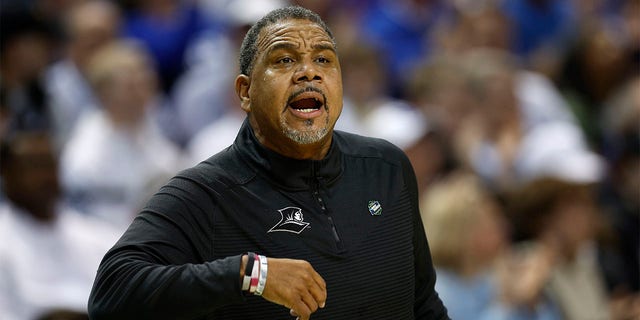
(293, 295)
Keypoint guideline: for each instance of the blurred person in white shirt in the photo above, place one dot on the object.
(88, 26)
(49, 253)
(117, 155)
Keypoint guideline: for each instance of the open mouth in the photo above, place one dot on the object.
(306, 105)
(307, 101)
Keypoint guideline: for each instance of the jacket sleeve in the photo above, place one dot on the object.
(157, 270)
(428, 305)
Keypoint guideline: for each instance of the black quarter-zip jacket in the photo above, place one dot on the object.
(353, 215)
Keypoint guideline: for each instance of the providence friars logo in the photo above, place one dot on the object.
(291, 220)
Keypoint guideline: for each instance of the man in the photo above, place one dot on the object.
(110, 164)
(88, 26)
(336, 214)
(48, 252)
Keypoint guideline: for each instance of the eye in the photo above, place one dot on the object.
(322, 60)
(285, 60)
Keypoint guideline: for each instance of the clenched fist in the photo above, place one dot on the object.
(295, 285)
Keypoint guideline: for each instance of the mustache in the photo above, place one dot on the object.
(298, 92)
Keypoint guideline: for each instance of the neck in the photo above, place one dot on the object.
(291, 149)
(315, 151)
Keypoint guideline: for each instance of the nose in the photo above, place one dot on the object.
(306, 71)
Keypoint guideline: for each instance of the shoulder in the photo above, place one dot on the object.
(200, 189)
(357, 146)
(220, 171)
(377, 155)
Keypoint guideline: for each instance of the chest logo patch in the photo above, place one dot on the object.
(291, 220)
(375, 208)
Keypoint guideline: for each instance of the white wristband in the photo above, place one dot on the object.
(246, 282)
(262, 279)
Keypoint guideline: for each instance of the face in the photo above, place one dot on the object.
(28, 55)
(31, 178)
(490, 234)
(575, 221)
(91, 25)
(129, 90)
(294, 93)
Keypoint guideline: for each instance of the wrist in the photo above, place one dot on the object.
(262, 278)
(243, 265)
(253, 273)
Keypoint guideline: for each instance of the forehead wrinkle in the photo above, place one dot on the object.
(293, 44)
(280, 34)
(268, 34)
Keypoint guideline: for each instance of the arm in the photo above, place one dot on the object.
(428, 304)
(157, 269)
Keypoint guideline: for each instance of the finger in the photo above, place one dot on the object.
(319, 280)
(301, 309)
(293, 313)
(310, 301)
(319, 291)
(318, 294)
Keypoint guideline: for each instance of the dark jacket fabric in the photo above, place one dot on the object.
(353, 215)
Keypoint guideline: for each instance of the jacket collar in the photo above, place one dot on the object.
(289, 173)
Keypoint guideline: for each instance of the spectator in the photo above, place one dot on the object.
(439, 88)
(508, 103)
(597, 65)
(482, 34)
(477, 277)
(165, 27)
(369, 108)
(89, 25)
(541, 30)
(117, 155)
(621, 133)
(557, 209)
(400, 30)
(26, 44)
(49, 253)
(560, 216)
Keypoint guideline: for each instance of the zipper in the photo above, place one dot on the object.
(323, 209)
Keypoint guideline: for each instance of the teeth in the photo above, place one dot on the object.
(306, 110)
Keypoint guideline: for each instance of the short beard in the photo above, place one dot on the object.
(305, 137)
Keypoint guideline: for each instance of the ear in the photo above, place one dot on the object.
(243, 82)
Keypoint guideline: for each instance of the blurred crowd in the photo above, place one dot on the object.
(521, 119)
